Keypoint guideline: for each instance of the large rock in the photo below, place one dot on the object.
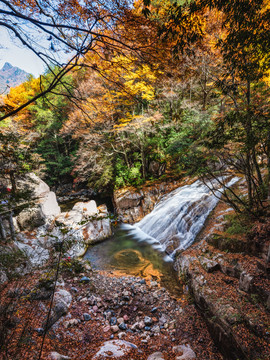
(45, 206)
(56, 356)
(62, 301)
(49, 206)
(31, 218)
(132, 205)
(36, 254)
(87, 222)
(185, 352)
(114, 349)
(34, 185)
(156, 356)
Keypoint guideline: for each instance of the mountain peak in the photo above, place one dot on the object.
(7, 66)
(11, 76)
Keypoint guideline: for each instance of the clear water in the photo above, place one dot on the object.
(173, 225)
(125, 254)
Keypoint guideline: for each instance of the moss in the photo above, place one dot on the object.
(11, 259)
(225, 242)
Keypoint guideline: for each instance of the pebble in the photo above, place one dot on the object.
(120, 320)
(39, 331)
(122, 326)
(121, 335)
(113, 321)
(86, 317)
(114, 328)
(141, 325)
(148, 320)
(107, 328)
(125, 317)
(85, 280)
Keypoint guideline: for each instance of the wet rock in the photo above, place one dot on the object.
(156, 356)
(85, 280)
(185, 352)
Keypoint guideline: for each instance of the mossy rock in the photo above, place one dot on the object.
(226, 243)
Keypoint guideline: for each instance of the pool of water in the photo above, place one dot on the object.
(127, 254)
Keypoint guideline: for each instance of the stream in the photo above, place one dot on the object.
(147, 248)
(125, 254)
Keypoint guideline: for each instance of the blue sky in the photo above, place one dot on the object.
(19, 56)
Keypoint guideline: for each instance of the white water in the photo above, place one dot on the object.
(178, 217)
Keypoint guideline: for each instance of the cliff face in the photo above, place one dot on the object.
(132, 204)
(11, 76)
(228, 277)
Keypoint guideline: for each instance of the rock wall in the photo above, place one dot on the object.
(232, 290)
(132, 205)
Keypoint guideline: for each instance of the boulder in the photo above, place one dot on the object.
(114, 349)
(36, 254)
(246, 282)
(56, 356)
(45, 208)
(156, 356)
(62, 301)
(31, 218)
(132, 205)
(49, 205)
(34, 185)
(87, 222)
(185, 352)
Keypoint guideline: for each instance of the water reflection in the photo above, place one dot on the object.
(125, 254)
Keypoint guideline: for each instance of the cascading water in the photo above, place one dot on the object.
(178, 217)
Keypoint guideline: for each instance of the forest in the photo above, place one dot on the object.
(162, 107)
(169, 89)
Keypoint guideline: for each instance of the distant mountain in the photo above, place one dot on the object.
(11, 76)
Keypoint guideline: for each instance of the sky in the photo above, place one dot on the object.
(19, 56)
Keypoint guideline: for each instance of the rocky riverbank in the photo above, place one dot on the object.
(101, 315)
(229, 279)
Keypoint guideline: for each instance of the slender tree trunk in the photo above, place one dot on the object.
(13, 181)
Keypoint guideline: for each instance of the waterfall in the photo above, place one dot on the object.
(178, 217)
